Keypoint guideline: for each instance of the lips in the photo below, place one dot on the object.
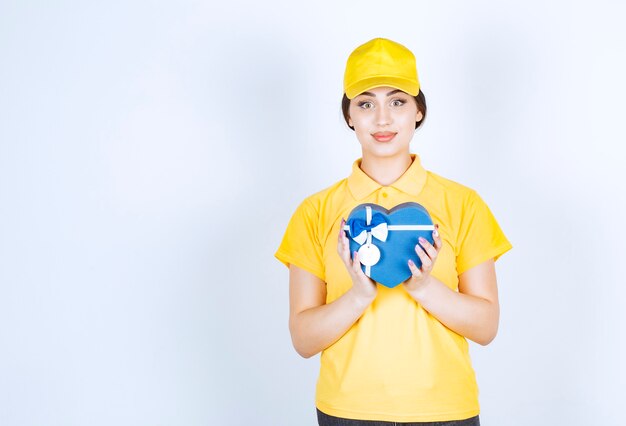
(383, 136)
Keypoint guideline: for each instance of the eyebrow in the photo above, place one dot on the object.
(388, 94)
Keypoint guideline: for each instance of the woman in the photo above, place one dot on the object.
(392, 355)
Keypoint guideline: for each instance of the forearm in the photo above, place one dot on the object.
(314, 329)
(472, 317)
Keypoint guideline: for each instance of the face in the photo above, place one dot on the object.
(384, 121)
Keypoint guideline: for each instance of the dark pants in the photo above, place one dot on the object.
(324, 419)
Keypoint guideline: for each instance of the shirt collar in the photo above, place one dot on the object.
(411, 182)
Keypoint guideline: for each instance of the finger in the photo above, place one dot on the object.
(437, 238)
(342, 244)
(342, 234)
(359, 268)
(426, 262)
(344, 254)
(414, 269)
(356, 264)
(432, 251)
(345, 238)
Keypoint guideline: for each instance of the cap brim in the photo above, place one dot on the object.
(409, 86)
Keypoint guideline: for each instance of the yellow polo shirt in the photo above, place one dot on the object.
(397, 362)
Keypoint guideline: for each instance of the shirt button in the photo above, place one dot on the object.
(385, 194)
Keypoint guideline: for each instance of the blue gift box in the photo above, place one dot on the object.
(386, 239)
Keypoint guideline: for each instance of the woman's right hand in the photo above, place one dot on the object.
(362, 285)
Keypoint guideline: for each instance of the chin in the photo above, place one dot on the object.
(385, 151)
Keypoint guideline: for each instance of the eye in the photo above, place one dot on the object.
(398, 102)
(365, 105)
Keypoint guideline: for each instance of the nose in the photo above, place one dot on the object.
(383, 116)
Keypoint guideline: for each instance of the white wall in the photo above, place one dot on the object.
(152, 153)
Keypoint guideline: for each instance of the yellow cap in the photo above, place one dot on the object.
(380, 62)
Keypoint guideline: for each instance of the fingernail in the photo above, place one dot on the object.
(435, 233)
(411, 262)
(422, 240)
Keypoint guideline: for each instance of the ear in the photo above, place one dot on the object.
(419, 116)
(350, 122)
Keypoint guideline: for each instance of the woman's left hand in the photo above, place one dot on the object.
(428, 255)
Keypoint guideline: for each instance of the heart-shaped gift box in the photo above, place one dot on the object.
(386, 239)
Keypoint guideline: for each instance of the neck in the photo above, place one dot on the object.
(386, 170)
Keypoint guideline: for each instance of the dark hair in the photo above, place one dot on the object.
(419, 99)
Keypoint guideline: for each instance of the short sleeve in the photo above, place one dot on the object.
(480, 237)
(300, 244)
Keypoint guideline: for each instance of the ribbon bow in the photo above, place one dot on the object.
(359, 228)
